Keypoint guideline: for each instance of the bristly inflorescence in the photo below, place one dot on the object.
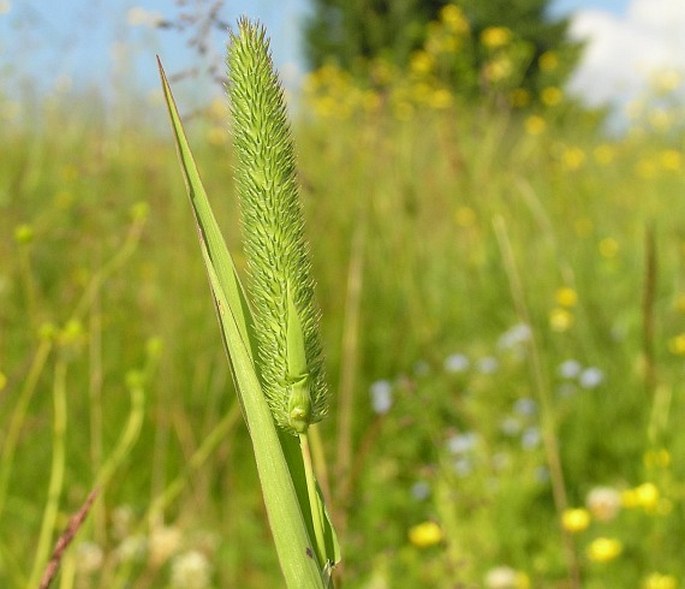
(281, 288)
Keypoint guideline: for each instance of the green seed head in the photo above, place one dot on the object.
(281, 289)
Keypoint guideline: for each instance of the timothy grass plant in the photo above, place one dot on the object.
(270, 329)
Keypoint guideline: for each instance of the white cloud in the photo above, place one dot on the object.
(624, 54)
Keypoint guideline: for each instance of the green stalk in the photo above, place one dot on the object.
(129, 436)
(59, 397)
(548, 422)
(19, 416)
(197, 460)
(316, 507)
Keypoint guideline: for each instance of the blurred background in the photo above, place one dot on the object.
(493, 195)
(82, 46)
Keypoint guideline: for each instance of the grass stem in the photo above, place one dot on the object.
(57, 469)
(549, 436)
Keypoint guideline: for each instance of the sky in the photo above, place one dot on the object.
(110, 45)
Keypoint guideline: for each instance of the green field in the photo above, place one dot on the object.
(504, 323)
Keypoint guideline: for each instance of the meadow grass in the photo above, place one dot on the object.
(439, 470)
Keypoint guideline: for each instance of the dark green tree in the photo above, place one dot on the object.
(531, 22)
(352, 32)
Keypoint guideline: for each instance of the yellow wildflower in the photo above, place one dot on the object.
(575, 520)
(660, 458)
(454, 19)
(494, 37)
(548, 61)
(442, 43)
(667, 81)
(498, 69)
(676, 344)
(629, 499)
(440, 99)
(604, 549)
(324, 106)
(371, 101)
(551, 96)
(3, 380)
(566, 297)
(73, 331)
(535, 125)
(421, 62)
(572, 158)
(465, 217)
(671, 160)
(425, 535)
(645, 169)
(608, 247)
(659, 581)
(560, 320)
(23, 233)
(647, 495)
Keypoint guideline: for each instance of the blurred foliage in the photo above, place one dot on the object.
(513, 50)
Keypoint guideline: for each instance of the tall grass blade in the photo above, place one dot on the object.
(208, 228)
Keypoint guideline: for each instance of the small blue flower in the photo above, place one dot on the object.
(591, 378)
(569, 369)
(462, 443)
(420, 490)
(456, 363)
(514, 336)
(381, 396)
(525, 406)
(530, 438)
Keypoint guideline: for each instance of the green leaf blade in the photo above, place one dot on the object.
(208, 228)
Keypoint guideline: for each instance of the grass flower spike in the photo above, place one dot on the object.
(271, 336)
(281, 289)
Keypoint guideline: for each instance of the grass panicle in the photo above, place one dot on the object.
(281, 287)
